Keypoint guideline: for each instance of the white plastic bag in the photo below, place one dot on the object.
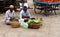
(24, 25)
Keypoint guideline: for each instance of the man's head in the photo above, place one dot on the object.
(25, 8)
(11, 7)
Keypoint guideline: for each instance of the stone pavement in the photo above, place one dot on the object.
(50, 28)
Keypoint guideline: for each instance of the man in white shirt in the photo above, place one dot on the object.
(24, 13)
(10, 14)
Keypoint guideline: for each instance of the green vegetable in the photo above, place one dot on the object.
(36, 20)
(29, 21)
(15, 19)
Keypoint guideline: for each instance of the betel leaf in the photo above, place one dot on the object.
(30, 20)
(15, 19)
(36, 20)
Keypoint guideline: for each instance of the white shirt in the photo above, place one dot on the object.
(9, 14)
(22, 13)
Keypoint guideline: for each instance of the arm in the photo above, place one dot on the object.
(20, 15)
(13, 14)
(25, 17)
(28, 14)
(6, 15)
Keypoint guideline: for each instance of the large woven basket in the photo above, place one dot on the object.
(15, 24)
(35, 25)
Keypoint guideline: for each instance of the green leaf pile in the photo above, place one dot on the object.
(36, 20)
(15, 19)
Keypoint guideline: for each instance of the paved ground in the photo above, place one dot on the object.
(50, 28)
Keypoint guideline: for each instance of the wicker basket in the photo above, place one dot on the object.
(15, 24)
(35, 25)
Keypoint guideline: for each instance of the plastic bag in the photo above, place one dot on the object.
(24, 25)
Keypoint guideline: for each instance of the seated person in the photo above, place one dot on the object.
(10, 14)
(24, 13)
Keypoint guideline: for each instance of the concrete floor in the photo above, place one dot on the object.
(50, 28)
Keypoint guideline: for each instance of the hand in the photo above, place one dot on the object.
(25, 16)
(11, 18)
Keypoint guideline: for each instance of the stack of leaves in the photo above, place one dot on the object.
(36, 20)
(35, 23)
(15, 19)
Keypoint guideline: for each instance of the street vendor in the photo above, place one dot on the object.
(24, 13)
(10, 14)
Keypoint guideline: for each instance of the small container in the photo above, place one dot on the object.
(35, 25)
(15, 24)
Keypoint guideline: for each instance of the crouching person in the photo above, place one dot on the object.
(24, 13)
(10, 14)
